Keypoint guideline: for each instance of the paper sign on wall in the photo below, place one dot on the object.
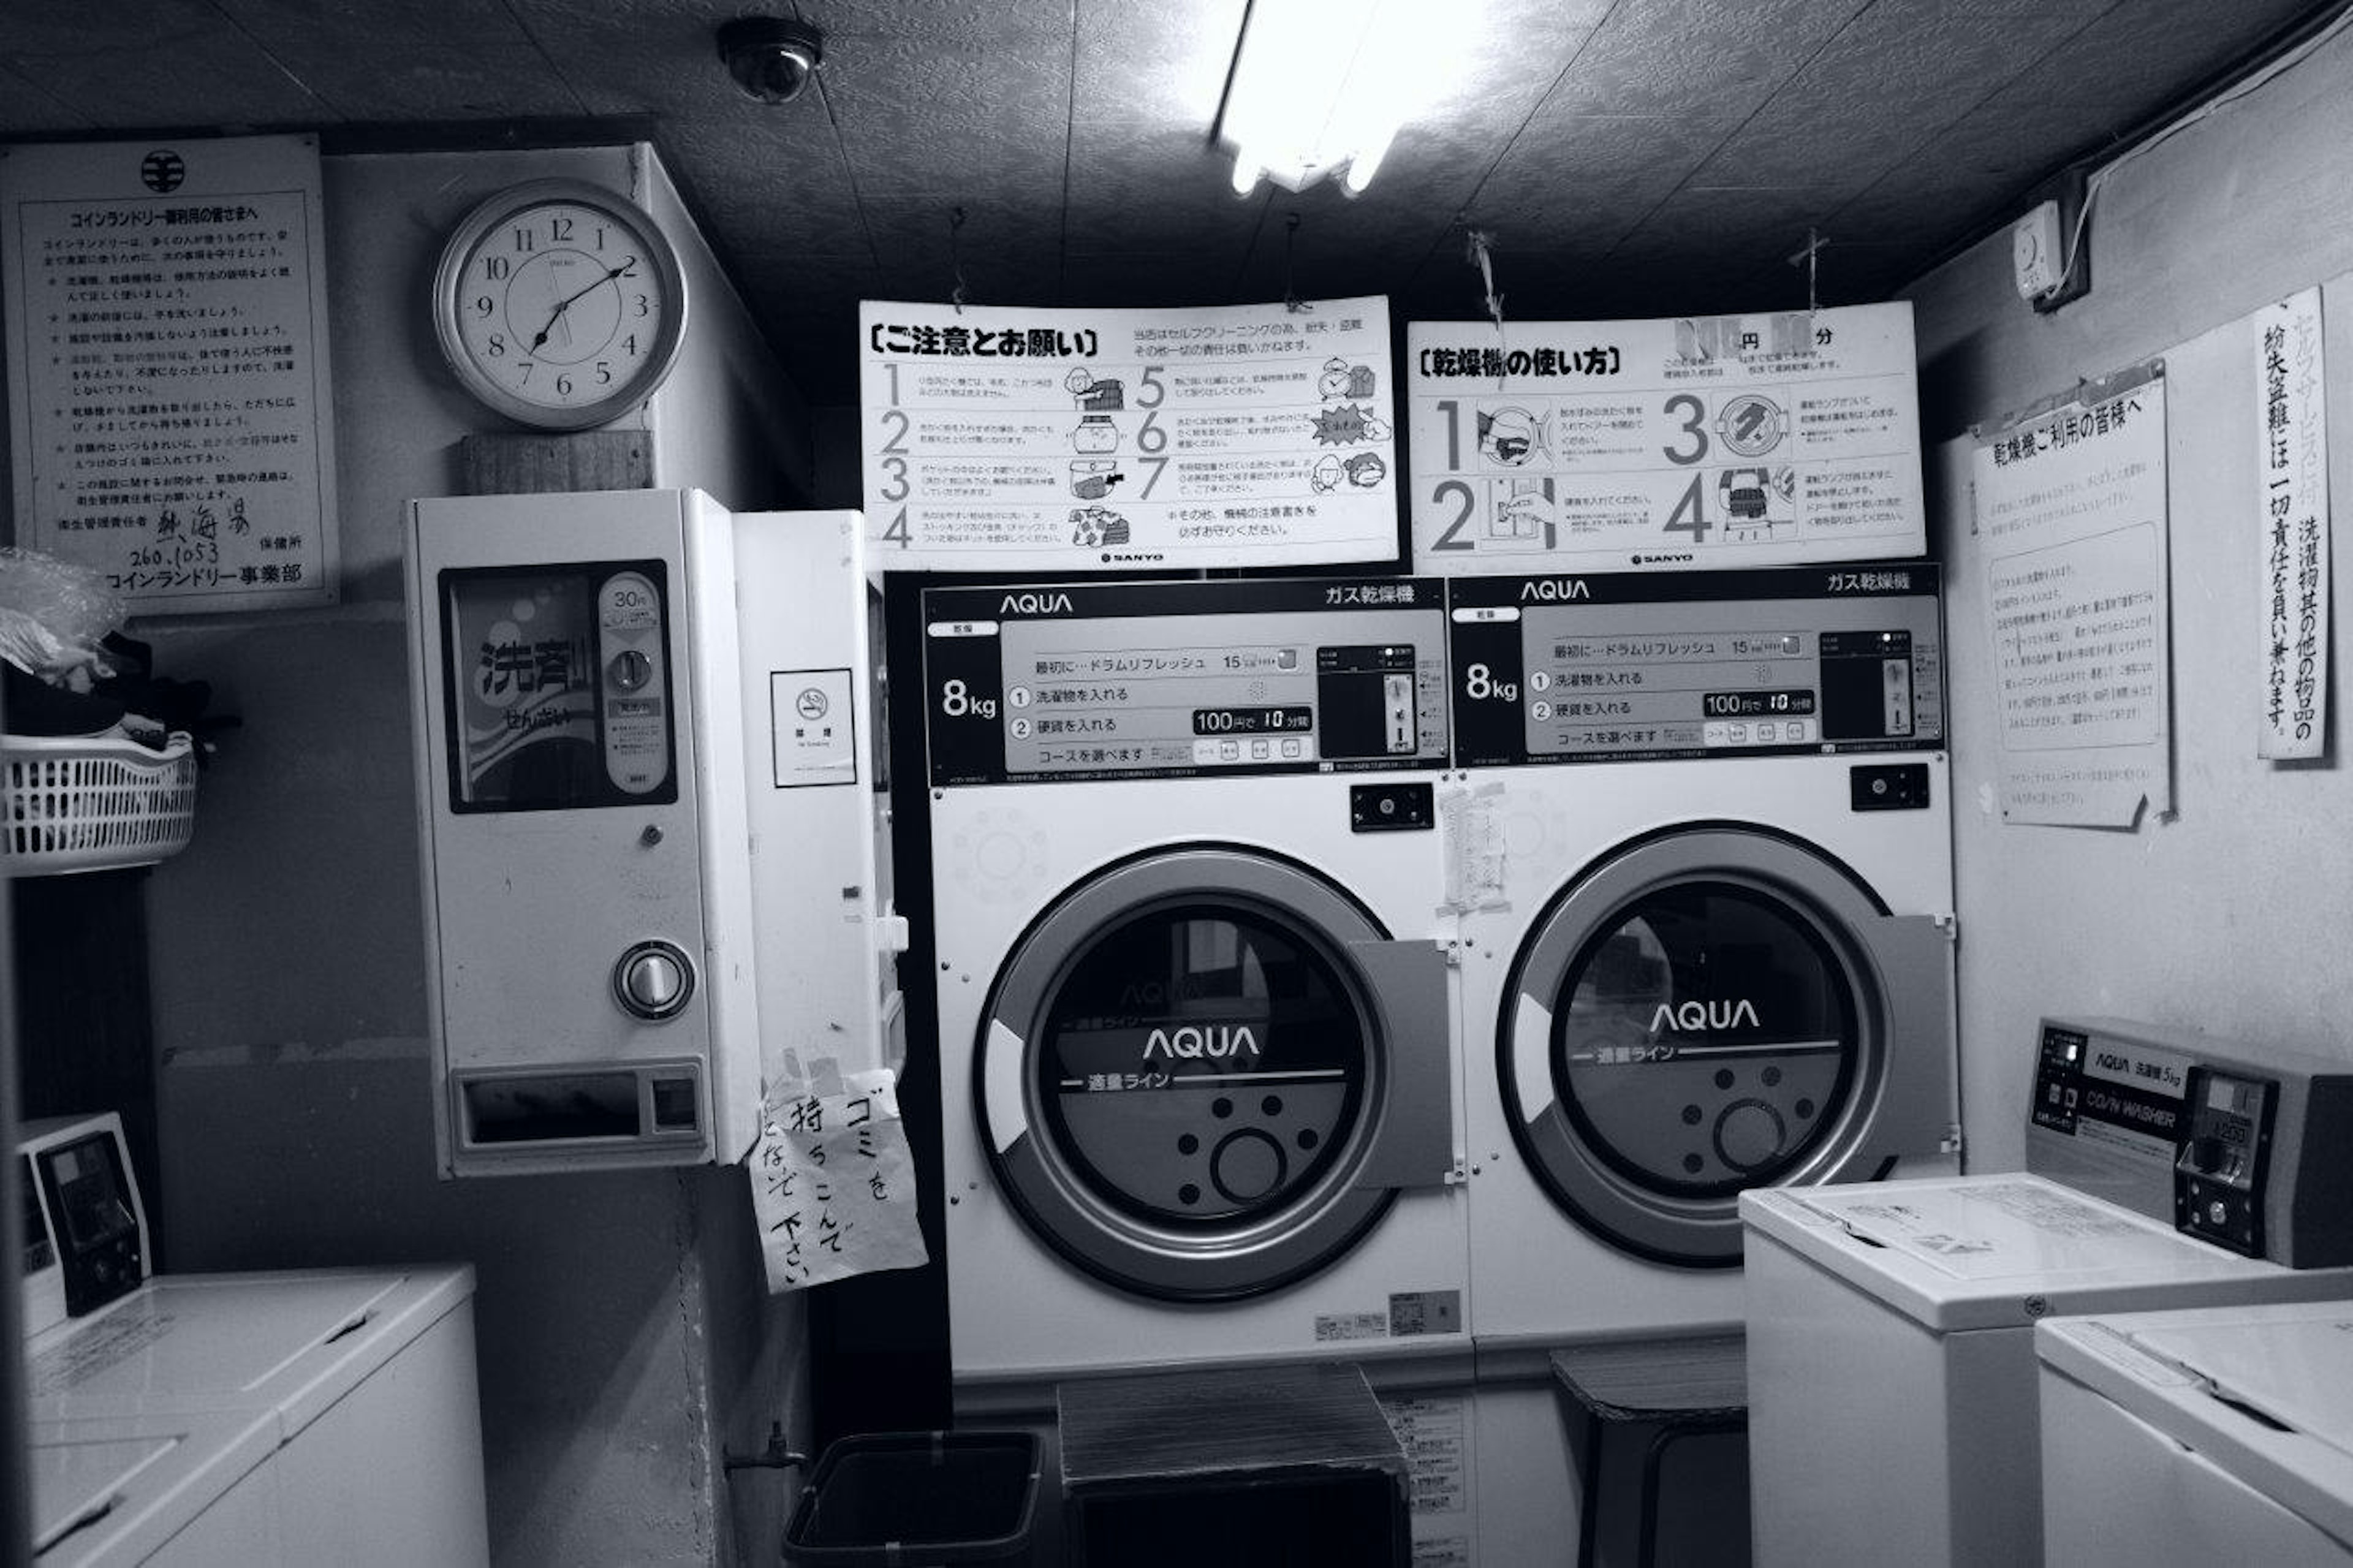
(2070, 500)
(1044, 439)
(2292, 503)
(833, 1184)
(173, 409)
(1706, 441)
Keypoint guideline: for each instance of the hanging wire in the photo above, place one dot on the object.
(955, 259)
(1290, 300)
(1481, 256)
(1811, 254)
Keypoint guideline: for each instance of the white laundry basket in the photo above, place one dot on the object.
(83, 804)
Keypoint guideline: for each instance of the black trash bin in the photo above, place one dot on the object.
(904, 1500)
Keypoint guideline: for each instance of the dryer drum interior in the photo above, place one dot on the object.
(1185, 1071)
(1703, 1010)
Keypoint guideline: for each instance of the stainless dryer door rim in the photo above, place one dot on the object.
(1401, 1135)
(1896, 971)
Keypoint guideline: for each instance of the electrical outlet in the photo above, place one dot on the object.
(2036, 252)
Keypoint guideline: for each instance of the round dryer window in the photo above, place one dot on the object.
(1701, 1012)
(1178, 1071)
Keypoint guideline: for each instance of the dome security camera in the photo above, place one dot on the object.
(771, 59)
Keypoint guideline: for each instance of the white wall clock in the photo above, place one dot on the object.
(559, 303)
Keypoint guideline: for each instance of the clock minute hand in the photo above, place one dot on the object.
(565, 303)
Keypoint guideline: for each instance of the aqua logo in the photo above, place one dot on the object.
(1035, 604)
(1692, 1017)
(1192, 1042)
(1555, 590)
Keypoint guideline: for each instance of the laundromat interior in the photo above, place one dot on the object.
(1242, 782)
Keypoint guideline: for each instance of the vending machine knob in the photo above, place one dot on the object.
(629, 671)
(653, 981)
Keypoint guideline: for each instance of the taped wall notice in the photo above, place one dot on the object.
(833, 1183)
(2291, 507)
(2071, 501)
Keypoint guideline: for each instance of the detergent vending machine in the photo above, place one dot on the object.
(580, 784)
(652, 822)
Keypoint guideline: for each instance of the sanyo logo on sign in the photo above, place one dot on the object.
(1555, 590)
(1192, 1040)
(1692, 1017)
(1035, 604)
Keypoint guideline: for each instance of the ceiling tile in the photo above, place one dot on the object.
(463, 59)
(1884, 87)
(132, 63)
(1713, 61)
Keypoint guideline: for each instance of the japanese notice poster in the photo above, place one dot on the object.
(1016, 439)
(2292, 481)
(2071, 507)
(167, 352)
(833, 1184)
(1701, 441)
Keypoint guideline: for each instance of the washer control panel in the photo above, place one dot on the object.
(1646, 666)
(1185, 680)
(2218, 1176)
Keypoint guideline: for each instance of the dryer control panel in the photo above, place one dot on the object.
(1626, 666)
(1089, 681)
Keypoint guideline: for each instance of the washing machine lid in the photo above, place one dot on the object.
(122, 1485)
(2266, 1392)
(1206, 1071)
(1997, 1251)
(292, 1343)
(1713, 1008)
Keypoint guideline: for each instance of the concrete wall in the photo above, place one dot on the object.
(2228, 914)
(624, 1335)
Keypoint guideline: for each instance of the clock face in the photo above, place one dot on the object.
(560, 305)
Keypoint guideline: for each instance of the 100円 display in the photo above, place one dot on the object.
(559, 304)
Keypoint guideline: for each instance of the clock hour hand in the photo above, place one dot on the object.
(564, 304)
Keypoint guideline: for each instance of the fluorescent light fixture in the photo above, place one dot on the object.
(1322, 85)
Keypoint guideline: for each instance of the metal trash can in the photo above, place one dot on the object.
(901, 1500)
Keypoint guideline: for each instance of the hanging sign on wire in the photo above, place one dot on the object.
(1698, 441)
(1005, 439)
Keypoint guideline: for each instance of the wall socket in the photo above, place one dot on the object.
(2037, 251)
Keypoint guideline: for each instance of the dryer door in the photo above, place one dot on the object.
(1205, 1072)
(1716, 1008)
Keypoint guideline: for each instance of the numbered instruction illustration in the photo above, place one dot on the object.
(1007, 438)
(1701, 441)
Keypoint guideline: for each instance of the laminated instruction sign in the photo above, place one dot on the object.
(1696, 441)
(172, 408)
(1032, 439)
(2071, 508)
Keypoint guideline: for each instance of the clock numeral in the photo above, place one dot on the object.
(564, 386)
(604, 373)
(497, 345)
(559, 229)
(526, 371)
(640, 300)
(629, 345)
(600, 237)
(495, 267)
(482, 306)
(525, 240)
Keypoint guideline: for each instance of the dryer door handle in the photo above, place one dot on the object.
(1414, 1141)
(1920, 1107)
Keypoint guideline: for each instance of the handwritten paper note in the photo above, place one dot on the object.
(2291, 507)
(833, 1184)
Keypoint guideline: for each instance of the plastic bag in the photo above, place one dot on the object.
(53, 615)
